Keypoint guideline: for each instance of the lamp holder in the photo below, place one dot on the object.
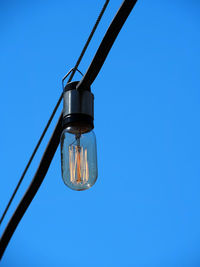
(78, 108)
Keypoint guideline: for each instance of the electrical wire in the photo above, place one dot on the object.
(55, 109)
(106, 44)
(55, 138)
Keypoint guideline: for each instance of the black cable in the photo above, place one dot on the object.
(33, 188)
(54, 111)
(31, 158)
(54, 140)
(89, 38)
(106, 44)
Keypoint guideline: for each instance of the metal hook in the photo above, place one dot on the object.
(63, 79)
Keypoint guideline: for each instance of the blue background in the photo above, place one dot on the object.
(144, 208)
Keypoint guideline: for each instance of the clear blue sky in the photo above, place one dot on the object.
(144, 208)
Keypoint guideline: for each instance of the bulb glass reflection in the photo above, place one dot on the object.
(78, 159)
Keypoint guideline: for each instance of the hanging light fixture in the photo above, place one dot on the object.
(78, 141)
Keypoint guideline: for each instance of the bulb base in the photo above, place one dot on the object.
(78, 109)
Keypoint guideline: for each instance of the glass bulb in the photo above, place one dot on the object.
(78, 159)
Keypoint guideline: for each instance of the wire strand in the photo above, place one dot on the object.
(54, 110)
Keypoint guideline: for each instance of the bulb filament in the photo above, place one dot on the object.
(78, 163)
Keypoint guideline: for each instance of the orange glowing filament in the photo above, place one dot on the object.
(78, 164)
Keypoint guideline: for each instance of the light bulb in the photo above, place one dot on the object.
(78, 158)
(78, 141)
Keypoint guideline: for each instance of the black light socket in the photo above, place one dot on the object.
(78, 108)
